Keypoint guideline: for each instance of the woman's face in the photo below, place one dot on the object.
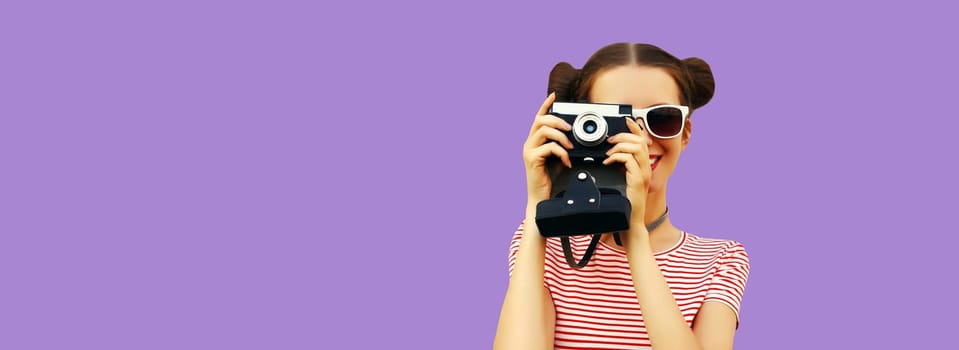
(643, 87)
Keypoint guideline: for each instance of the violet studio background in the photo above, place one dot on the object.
(289, 175)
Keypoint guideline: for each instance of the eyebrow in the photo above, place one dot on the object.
(657, 104)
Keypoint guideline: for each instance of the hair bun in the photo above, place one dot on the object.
(702, 83)
(564, 81)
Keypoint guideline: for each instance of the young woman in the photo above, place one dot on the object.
(663, 289)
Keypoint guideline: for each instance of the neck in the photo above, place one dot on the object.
(655, 207)
(662, 237)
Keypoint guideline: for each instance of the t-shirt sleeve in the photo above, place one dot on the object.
(729, 280)
(514, 247)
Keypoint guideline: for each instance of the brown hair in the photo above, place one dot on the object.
(692, 75)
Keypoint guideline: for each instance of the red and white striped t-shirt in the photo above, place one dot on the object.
(596, 306)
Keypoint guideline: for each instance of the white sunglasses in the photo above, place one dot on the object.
(663, 121)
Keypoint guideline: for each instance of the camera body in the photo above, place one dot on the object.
(592, 124)
(588, 197)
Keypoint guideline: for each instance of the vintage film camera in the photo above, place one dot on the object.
(589, 197)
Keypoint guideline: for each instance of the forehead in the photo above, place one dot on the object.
(640, 86)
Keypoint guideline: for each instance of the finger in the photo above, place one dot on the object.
(631, 166)
(626, 159)
(637, 150)
(551, 121)
(625, 137)
(547, 133)
(543, 109)
(634, 126)
(637, 129)
(550, 149)
(543, 132)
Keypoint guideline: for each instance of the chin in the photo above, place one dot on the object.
(654, 190)
(657, 183)
(655, 186)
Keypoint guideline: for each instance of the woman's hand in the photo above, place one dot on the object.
(537, 149)
(632, 150)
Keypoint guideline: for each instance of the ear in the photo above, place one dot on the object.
(687, 132)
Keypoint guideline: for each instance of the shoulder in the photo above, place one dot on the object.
(708, 243)
(729, 264)
(717, 247)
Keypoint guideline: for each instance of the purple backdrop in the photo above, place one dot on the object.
(293, 175)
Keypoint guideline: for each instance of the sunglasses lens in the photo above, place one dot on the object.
(665, 121)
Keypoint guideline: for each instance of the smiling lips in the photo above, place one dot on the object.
(654, 161)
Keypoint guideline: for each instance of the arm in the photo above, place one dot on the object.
(527, 318)
(715, 323)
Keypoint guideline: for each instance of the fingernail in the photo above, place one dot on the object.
(611, 138)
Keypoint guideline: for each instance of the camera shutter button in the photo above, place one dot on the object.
(581, 176)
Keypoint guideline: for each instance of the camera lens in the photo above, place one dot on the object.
(589, 126)
(589, 129)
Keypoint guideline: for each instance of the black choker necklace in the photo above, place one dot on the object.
(592, 243)
(649, 228)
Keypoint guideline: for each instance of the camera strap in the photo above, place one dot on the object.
(568, 251)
